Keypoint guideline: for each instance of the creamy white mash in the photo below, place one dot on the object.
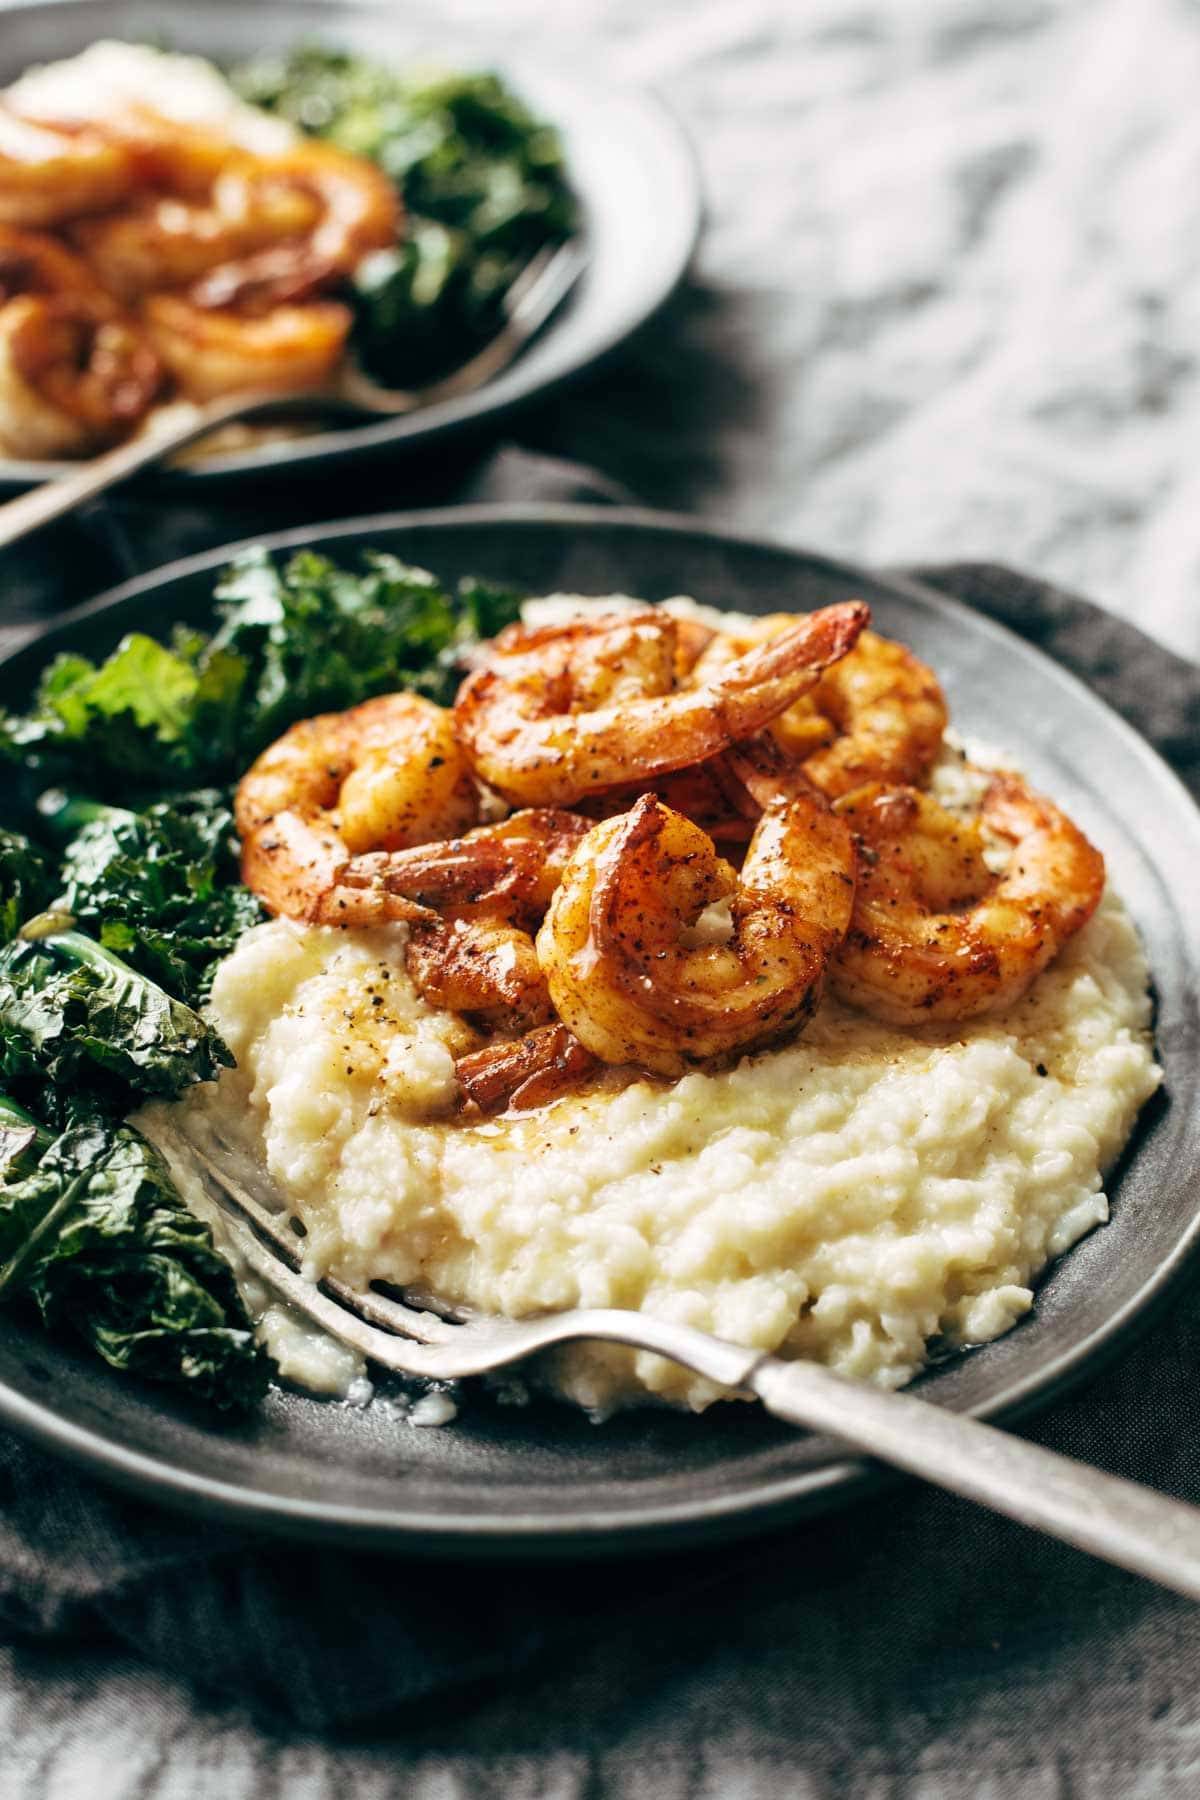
(848, 1198)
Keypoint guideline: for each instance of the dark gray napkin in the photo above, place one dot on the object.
(849, 1614)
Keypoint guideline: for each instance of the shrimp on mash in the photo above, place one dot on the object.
(633, 991)
(935, 935)
(631, 941)
(563, 711)
(384, 774)
(878, 713)
(182, 259)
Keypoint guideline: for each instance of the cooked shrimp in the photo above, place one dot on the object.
(532, 1071)
(877, 714)
(212, 353)
(74, 374)
(383, 775)
(508, 869)
(33, 262)
(164, 241)
(48, 175)
(561, 712)
(614, 946)
(936, 935)
(490, 890)
(485, 969)
(214, 212)
(358, 210)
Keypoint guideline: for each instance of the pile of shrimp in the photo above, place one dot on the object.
(141, 257)
(596, 923)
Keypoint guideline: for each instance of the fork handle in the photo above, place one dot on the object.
(1117, 1520)
(65, 492)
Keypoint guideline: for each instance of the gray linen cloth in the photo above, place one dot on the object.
(835, 1652)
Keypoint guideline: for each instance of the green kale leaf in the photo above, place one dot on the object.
(159, 887)
(306, 637)
(484, 188)
(320, 638)
(148, 717)
(96, 1237)
(25, 883)
(73, 1013)
(22, 1139)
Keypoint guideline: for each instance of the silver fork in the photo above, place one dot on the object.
(1129, 1525)
(537, 292)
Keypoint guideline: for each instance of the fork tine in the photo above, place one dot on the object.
(402, 1355)
(527, 278)
(545, 280)
(373, 1309)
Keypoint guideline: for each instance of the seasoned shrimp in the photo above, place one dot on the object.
(358, 210)
(237, 226)
(490, 890)
(49, 175)
(168, 241)
(483, 968)
(508, 869)
(33, 262)
(383, 775)
(877, 714)
(935, 935)
(74, 374)
(560, 712)
(531, 1071)
(623, 976)
(212, 353)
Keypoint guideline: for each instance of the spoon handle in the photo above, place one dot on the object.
(66, 492)
(1119, 1521)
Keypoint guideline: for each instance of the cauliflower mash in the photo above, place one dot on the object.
(851, 1198)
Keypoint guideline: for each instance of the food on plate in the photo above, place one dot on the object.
(563, 711)
(113, 922)
(614, 947)
(617, 955)
(161, 238)
(935, 933)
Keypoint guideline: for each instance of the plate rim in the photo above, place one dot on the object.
(653, 1524)
(305, 457)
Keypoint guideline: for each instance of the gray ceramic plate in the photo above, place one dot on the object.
(541, 1477)
(629, 161)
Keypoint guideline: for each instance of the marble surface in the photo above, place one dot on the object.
(946, 307)
(948, 300)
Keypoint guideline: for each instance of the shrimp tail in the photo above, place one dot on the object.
(767, 680)
(529, 1072)
(304, 873)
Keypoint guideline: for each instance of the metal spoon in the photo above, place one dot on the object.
(538, 291)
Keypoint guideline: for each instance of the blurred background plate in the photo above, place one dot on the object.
(628, 161)
(509, 1480)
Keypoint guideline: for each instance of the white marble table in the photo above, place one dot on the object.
(947, 307)
(948, 301)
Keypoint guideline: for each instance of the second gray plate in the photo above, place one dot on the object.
(628, 160)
